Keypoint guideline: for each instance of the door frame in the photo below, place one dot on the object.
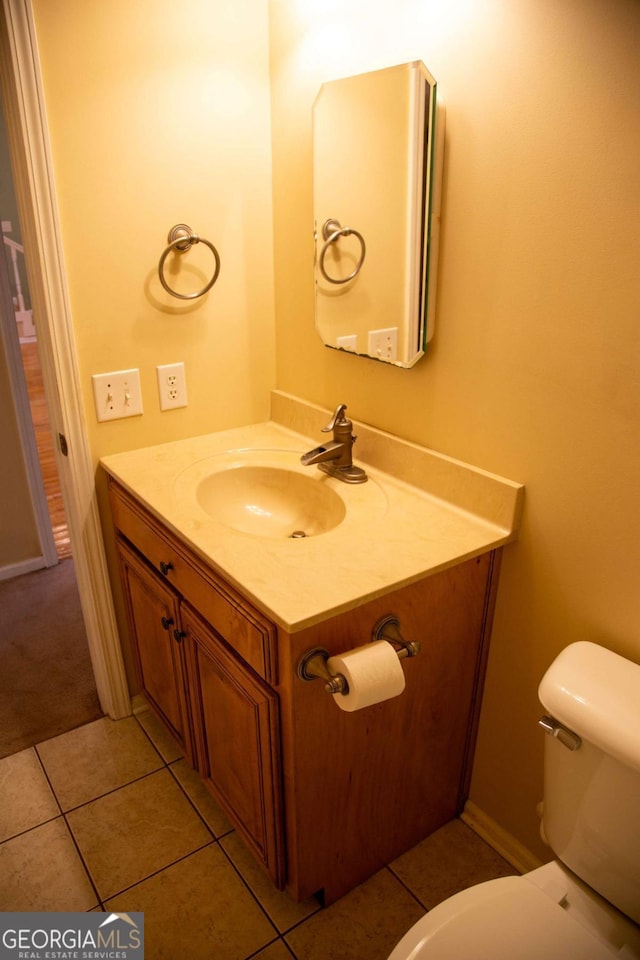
(35, 191)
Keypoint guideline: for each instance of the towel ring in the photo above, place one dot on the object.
(331, 230)
(181, 237)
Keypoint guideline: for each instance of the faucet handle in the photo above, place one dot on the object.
(338, 417)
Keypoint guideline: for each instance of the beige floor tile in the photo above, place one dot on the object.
(198, 908)
(166, 745)
(26, 799)
(450, 860)
(282, 910)
(92, 760)
(41, 870)
(202, 800)
(364, 925)
(135, 831)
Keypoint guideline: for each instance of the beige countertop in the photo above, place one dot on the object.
(394, 532)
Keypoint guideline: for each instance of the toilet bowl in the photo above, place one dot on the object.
(547, 914)
(585, 905)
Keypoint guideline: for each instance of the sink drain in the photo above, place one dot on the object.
(297, 535)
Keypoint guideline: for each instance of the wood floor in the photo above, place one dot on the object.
(44, 441)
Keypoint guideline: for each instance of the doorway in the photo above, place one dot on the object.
(47, 685)
(25, 113)
(19, 338)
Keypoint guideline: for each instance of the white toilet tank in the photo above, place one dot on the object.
(591, 815)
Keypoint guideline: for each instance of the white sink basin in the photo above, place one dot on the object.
(270, 501)
(268, 493)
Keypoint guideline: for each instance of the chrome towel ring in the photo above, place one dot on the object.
(181, 238)
(331, 231)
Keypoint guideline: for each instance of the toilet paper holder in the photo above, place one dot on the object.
(313, 664)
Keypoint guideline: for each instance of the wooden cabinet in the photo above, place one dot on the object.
(235, 717)
(157, 636)
(361, 788)
(322, 797)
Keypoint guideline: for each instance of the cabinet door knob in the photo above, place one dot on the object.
(166, 622)
(179, 634)
(165, 567)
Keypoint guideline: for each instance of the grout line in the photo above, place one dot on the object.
(83, 861)
(155, 873)
(192, 803)
(151, 740)
(290, 949)
(70, 831)
(107, 793)
(41, 823)
(303, 920)
(407, 888)
(23, 833)
(169, 764)
(266, 946)
(249, 888)
(47, 777)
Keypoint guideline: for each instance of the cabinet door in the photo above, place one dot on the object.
(236, 731)
(157, 643)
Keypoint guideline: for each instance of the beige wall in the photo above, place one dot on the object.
(535, 368)
(158, 114)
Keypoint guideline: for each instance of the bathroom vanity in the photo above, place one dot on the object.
(219, 620)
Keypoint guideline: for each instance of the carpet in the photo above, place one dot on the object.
(46, 680)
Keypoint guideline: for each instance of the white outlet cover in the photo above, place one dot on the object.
(117, 394)
(172, 385)
(383, 344)
(347, 342)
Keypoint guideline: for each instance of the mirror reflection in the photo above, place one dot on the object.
(377, 159)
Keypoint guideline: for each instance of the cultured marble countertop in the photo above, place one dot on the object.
(395, 532)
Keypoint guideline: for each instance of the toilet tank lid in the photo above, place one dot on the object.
(597, 694)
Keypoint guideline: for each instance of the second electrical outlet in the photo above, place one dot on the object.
(172, 386)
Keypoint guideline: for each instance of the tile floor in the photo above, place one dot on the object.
(110, 817)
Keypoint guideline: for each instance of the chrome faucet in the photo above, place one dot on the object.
(335, 458)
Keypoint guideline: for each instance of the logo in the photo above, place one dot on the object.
(71, 936)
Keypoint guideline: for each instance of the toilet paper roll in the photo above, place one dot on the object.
(373, 672)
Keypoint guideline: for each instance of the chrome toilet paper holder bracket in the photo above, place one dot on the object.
(313, 664)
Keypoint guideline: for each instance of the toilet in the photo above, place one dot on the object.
(585, 905)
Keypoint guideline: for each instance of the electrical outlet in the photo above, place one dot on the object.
(172, 386)
(383, 344)
(117, 394)
(347, 342)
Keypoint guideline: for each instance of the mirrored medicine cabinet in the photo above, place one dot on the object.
(377, 168)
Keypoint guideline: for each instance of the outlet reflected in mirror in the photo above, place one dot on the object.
(377, 167)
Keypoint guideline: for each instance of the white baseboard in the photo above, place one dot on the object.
(502, 842)
(25, 566)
